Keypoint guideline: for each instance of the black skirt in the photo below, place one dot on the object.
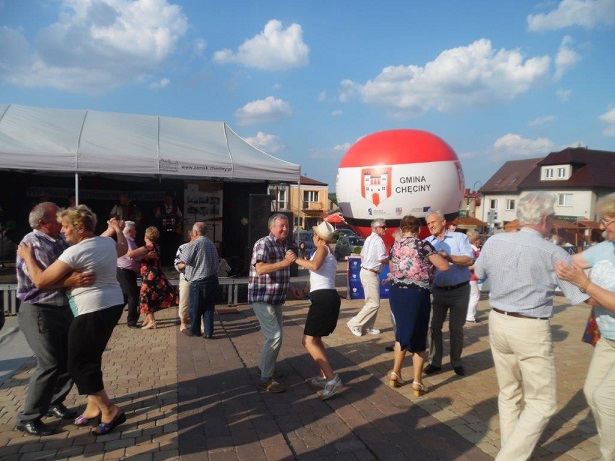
(323, 313)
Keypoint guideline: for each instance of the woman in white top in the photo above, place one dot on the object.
(97, 308)
(324, 309)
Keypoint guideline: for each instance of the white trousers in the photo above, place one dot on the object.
(525, 367)
(473, 303)
(599, 391)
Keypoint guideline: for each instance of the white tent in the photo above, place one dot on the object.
(88, 141)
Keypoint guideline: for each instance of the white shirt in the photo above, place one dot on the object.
(324, 277)
(98, 255)
(373, 252)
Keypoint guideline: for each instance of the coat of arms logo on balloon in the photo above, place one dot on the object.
(393, 173)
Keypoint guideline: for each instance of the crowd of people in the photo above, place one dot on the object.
(78, 283)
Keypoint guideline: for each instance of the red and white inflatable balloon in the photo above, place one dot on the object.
(393, 173)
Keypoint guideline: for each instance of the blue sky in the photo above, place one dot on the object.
(304, 80)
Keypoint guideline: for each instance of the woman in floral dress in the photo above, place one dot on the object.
(156, 290)
(411, 263)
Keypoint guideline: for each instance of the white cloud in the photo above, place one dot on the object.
(563, 94)
(545, 120)
(274, 48)
(608, 118)
(471, 76)
(337, 112)
(263, 110)
(584, 13)
(163, 83)
(94, 46)
(199, 46)
(513, 146)
(336, 152)
(566, 58)
(269, 143)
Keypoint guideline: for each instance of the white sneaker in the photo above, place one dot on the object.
(318, 381)
(356, 331)
(373, 331)
(331, 388)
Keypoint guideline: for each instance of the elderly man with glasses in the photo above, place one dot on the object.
(373, 259)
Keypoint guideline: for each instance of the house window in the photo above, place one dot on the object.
(493, 203)
(310, 196)
(510, 204)
(562, 173)
(280, 198)
(564, 199)
(548, 173)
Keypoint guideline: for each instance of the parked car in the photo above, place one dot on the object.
(347, 245)
(342, 232)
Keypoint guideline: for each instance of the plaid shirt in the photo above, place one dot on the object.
(268, 288)
(201, 259)
(46, 251)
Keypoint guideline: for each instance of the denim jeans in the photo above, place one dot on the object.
(202, 304)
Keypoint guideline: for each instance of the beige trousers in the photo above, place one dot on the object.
(525, 367)
(184, 300)
(599, 391)
(366, 318)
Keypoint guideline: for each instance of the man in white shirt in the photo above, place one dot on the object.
(373, 259)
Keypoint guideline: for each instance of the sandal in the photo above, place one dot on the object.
(419, 389)
(83, 421)
(395, 380)
(105, 428)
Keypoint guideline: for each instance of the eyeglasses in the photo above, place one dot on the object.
(606, 223)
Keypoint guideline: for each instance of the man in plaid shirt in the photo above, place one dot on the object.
(268, 283)
(44, 319)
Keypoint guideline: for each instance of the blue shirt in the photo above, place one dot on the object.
(601, 258)
(520, 267)
(455, 244)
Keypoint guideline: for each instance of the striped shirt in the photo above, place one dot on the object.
(201, 259)
(46, 251)
(520, 270)
(268, 288)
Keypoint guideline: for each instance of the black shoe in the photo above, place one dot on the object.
(430, 369)
(60, 411)
(35, 427)
(208, 336)
(132, 325)
(459, 371)
(389, 348)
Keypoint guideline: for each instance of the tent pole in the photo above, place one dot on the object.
(76, 188)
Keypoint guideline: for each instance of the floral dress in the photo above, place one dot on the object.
(156, 291)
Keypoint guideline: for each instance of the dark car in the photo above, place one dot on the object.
(305, 237)
(344, 232)
(347, 245)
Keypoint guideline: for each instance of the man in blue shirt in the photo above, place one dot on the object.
(450, 292)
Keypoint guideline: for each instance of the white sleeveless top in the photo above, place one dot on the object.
(324, 277)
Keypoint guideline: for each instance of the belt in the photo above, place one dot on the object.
(517, 314)
(371, 270)
(452, 287)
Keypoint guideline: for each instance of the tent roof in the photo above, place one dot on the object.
(88, 141)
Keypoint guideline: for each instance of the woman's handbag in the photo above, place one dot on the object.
(591, 335)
